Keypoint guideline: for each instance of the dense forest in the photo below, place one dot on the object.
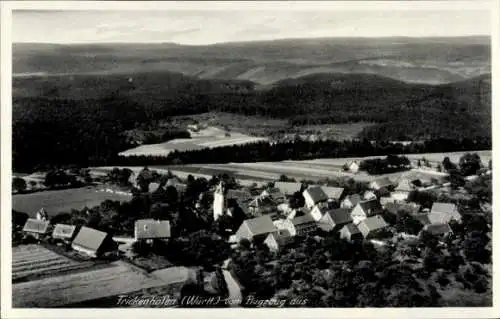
(83, 118)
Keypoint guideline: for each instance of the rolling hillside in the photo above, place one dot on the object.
(420, 60)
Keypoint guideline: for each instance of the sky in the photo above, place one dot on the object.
(207, 23)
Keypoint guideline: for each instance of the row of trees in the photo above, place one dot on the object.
(390, 164)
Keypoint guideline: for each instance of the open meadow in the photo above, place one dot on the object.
(62, 200)
(210, 137)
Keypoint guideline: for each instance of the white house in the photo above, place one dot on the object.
(364, 210)
(313, 196)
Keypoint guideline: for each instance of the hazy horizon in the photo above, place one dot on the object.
(236, 25)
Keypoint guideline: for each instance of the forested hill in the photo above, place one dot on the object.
(83, 116)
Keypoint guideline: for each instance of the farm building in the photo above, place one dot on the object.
(304, 224)
(256, 228)
(313, 196)
(93, 242)
(318, 211)
(285, 224)
(275, 194)
(444, 213)
(400, 193)
(381, 183)
(350, 232)
(368, 195)
(365, 209)
(352, 167)
(64, 232)
(372, 227)
(335, 219)
(351, 201)
(147, 229)
(288, 188)
(276, 241)
(36, 228)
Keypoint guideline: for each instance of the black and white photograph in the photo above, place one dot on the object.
(245, 155)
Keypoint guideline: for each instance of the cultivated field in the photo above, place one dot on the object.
(62, 200)
(321, 168)
(35, 260)
(210, 137)
(117, 279)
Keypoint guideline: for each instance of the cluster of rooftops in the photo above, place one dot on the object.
(356, 216)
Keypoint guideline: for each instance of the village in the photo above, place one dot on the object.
(275, 216)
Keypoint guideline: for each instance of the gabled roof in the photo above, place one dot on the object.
(354, 199)
(261, 201)
(317, 194)
(383, 182)
(90, 238)
(422, 218)
(333, 192)
(352, 229)
(36, 226)
(153, 187)
(404, 185)
(288, 188)
(282, 237)
(438, 229)
(301, 220)
(340, 215)
(260, 225)
(238, 195)
(443, 207)
(373, 223)
(63, 231)
(373, 205)
(150, 229)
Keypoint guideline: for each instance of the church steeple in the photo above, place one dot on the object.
(219, 201)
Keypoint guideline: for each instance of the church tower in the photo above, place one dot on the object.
(219, 201)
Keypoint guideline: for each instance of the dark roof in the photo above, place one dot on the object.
(90, 238)
(333, 192)
(304, 219)
(354, 199)
(422, 218)
(238, 195)
(353, 229)
(63, 231)
(260, 225)
(288, 188)
(373, 204)
(150, 228)
(438, 229)
(373, 223)
(317, 194)
(282, 237)
(36, 226)
(261, 201)
(340, 215)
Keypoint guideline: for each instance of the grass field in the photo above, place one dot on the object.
(120, 278)
(210, 137)
(29, 261)
(62, 200)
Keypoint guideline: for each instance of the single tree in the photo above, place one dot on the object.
(18, 184)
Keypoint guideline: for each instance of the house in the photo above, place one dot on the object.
(333, 193)
(318, 211)
(350, 232)
(285, 224)
(256, 229)
(438, 229)
(352, 167)
(276, 241)
(368, 195)
(261, 205)
(313, 196)
(93, 243)
(351, 201)
(381, 183)
(304, 224)
(64, 232)
(365, 209)
(288, 188)
(240, 196)
(374, 226)
(36, 228)
(403, 208)
(148, 229)
(335, 219)
(384, 201)
(400, 193)
(442, 213)
(275, 194)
